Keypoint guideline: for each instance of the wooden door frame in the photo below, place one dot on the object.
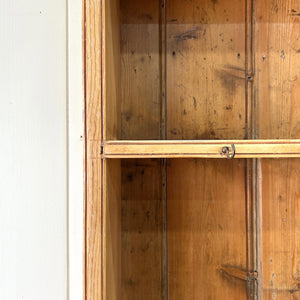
(93, 87)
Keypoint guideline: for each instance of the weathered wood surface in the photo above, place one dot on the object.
(206, 80)
(111, 183)
(280, 229)
(206, 228)
(142, 203)
(140, 70)
(277, 86)
(111, 60)
(103, 199)
(112, 229)
(206, 71)
(142, 226)
(208, 96)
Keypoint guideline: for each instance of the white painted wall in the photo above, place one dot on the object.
(76, 133)
(40, 126)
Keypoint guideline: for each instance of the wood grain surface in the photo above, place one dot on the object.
(201, 149)
(140, 70)
(277, 86)
(103, 189)
(280, 229)
(93, 138)
(206, 80)
(111, 61)
(142, 203)
(142, 227)
(206, 70)
(111, 183)
(112, 230)
(222, 83)
(206, 228)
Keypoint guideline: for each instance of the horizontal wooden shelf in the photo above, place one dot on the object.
(201, 149)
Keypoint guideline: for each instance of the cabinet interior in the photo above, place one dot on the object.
(201, 70)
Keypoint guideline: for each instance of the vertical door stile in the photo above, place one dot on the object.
(92, 32)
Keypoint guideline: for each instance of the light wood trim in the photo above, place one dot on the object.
(92, 45)
(201, 149)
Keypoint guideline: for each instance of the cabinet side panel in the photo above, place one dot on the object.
(206, 228)
(111, 74)
(142, 225)
(206, 69)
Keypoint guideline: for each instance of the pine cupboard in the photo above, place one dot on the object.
(192, 186)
